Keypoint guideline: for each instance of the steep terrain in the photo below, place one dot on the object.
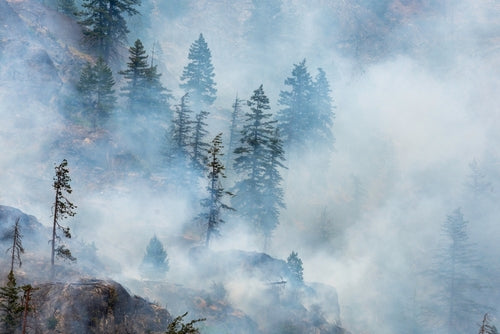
(239, 285)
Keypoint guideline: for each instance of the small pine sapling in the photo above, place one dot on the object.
(296, 269)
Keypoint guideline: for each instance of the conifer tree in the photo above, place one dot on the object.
(17, 246)
(11, 306)
(295, 117)
(182, 126)
(96, 92)
(214, 203)
(155, 262)
(144, 92)
(294, 263)
(307, 115)
(178, 146)
(135, 76)
(455, 275)
(198, 75)
(63, 209)
(199, 146)
(104, 25)
(235, 130)
(252, 163)
(323, 115)
(157, 97)
(273, 192)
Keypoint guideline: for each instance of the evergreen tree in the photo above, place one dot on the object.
(235, 130)
(11, 306)
(17, 246)
(456, 278)
(294, 263)
(63, 209)
(198, 75)
(144, 92)
(199, 146)
(178, 145)
(156, 100)
(272, 193)
(135, 76)
(253, 161)
(96, 93)
(323, 115)
(307, 115)
(104, 25)
(215, 189)
(155, 262)
(182, 126)
(295, 118)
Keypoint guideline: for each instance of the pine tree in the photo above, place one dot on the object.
(144, 91)
(157, 97)
(214, 203)
(199, 146)
(198, 75)
(178, 146)
(273, 192)
(11, 307)
(323, 115)
(104, 25)
(234, 131)
(135, 76)
(253, 161)
(294, 264)
(295, 118)
(17, 246)
(155, 262)
(63, 209)
(455, 276)
(182, 126)
(96, 93)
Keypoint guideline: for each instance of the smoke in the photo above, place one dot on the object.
(416, 95)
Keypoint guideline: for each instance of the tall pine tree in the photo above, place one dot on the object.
(306, 118)
(199, 146)
(63, 209)
(295, 117)
(457, 279)
(235, 130)
(135, 77)
(104, 25)
(273, 191)
(214, 202)
(96, 93)
(323, 114)
(198, 75)
(252, 163)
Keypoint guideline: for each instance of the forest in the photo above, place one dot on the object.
(249, 166)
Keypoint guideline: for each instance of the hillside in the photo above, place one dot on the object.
(353, 134)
